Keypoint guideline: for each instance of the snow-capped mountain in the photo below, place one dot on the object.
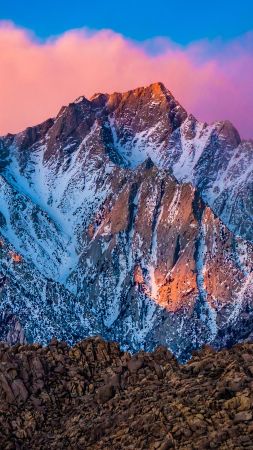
(126, 217)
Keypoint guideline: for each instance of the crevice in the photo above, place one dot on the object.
(176, 251)
(155, 221)
(203, 310)
(132, 208)
(110, 148)
(198, 206)
(199, 256)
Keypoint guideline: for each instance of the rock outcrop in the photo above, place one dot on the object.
(95, 396)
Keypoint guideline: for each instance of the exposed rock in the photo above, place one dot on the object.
(104, 398)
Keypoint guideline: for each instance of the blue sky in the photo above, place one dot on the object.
(181, 21)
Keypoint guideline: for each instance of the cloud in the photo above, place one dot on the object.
(213, 81)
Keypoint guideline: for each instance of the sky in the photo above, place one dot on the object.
(54, 51)
(182, 22)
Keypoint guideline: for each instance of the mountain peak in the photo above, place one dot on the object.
(154, 89)
(157, 87)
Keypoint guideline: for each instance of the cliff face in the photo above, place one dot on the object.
(126, 217)
(95, 396)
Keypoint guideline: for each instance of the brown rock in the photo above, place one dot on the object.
(105, 393)
(243, 416)
(105, 399)
(134, 365)
(19, 390)
(247, 357)
(6, 389)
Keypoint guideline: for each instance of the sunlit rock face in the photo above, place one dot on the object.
(126, 217)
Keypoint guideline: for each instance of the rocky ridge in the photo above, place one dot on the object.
(95, 396)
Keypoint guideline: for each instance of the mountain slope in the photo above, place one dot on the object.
(133, 221)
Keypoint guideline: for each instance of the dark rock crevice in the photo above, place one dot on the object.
(156, 214)
(132, 207)
(177, 251)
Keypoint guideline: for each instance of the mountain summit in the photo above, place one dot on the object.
(126, 217)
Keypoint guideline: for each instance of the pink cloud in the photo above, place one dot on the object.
(213, 81)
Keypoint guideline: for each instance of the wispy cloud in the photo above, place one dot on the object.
(213, 80)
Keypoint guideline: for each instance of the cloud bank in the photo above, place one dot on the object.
(214, 81)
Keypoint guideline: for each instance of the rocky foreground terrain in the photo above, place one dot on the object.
(94, 396)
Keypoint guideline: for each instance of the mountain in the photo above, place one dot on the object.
(95, 396)
(125, 217)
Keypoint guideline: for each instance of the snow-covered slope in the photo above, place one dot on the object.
(126, 217)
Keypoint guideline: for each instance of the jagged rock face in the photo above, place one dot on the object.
(95, 396)
(97, 239)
